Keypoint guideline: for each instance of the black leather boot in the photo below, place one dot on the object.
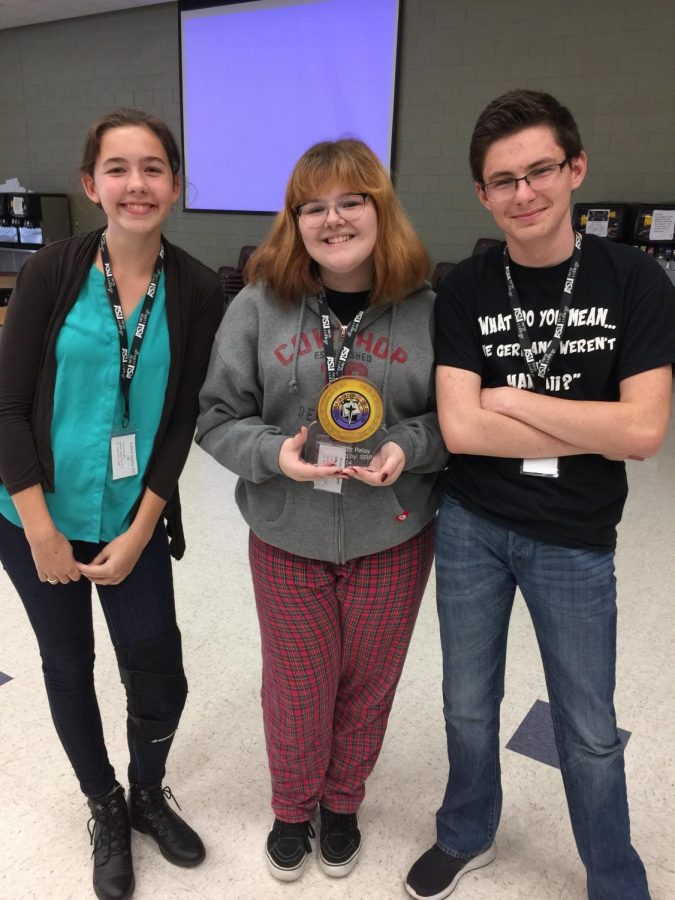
(111, 840)
(150, 814)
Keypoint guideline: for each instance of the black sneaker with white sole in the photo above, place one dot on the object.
(340, 842)
(435, 874)
(287, 848)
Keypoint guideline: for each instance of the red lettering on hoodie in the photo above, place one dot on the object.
(364, 342)
(284, 353)
(381, 347)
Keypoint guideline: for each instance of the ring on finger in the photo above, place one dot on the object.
(53, 580)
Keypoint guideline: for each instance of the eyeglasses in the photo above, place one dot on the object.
(536, 179)
(314, 214)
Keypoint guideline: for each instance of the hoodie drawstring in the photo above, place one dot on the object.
(293, 383)
(387, 362)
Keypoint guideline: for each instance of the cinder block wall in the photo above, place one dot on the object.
(611, 61)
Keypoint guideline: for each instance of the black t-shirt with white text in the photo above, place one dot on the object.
(621, 323)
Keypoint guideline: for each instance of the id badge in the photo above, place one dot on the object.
(123, 454)
(330, 453)
(547, 467)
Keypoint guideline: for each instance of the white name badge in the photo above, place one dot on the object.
(331, 454)
(123, 453)
(547, 467)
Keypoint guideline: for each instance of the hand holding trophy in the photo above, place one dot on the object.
(349, 427)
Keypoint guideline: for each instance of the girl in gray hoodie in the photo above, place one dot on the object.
(337, 289)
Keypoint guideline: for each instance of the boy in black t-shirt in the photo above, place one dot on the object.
(554, 361)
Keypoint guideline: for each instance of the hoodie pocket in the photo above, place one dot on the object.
(400, 510)
(267, 501)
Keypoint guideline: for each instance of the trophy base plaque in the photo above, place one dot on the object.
(348, 429)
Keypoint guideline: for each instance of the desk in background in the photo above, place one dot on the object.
(7, 282)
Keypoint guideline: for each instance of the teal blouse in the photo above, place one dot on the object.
(87, 504)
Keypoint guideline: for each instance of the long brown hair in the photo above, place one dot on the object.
(400, 260)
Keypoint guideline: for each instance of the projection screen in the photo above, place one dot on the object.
(261, 81)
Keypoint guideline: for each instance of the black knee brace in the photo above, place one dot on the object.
(152, 674)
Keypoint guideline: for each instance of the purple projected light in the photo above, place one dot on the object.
(263, 81)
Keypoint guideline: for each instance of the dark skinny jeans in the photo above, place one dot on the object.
(139, 609)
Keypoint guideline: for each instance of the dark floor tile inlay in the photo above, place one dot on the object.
(4, 678)
(534, 736)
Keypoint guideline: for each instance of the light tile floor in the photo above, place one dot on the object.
(218, 766)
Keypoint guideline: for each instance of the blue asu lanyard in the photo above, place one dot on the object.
(335, 367)
(539, 369)
(129, 357)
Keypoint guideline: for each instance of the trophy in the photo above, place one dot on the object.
(348, 429)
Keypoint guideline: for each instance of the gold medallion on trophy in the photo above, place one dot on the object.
(350, 410)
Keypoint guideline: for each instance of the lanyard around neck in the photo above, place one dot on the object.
(539, 369)
(129, 357)
(335, 367)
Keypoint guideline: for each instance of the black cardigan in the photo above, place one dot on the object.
(46, 289)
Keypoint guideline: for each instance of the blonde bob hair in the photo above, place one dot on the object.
(400, 260)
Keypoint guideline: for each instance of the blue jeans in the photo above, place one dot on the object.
(571, 597)
(137, 610)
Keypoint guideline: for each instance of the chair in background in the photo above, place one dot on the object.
(231, 277)
(442, 268)
(482, 245)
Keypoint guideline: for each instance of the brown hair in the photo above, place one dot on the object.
(400, 260)
(514, 111)
(121, 117)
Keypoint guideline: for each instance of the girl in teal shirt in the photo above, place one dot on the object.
(105, 347)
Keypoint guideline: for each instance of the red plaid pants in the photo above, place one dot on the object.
(334, 640)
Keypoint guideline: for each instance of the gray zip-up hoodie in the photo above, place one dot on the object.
(265, 375)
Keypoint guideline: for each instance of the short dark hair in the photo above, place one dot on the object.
(122, 117)
(514, 111)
